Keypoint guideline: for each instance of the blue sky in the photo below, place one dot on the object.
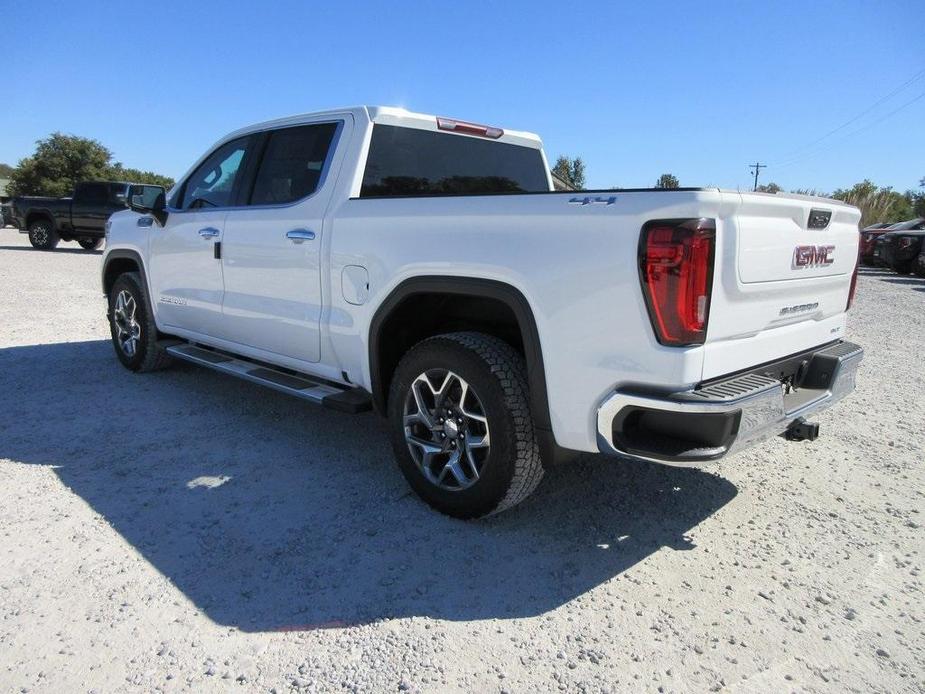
(636, 89)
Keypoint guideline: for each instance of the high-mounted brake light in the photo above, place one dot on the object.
(676, 270)
(460, 126)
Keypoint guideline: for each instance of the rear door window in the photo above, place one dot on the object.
(292, 164)
(408, 161)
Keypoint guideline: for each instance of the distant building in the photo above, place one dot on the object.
(4, 182)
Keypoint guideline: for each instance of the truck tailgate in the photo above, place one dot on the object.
(782, 274)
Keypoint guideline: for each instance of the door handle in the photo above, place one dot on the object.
(209, 232)
(300, 235)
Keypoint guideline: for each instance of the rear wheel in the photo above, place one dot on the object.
(461, 425)
(134, 334)
(89, 244)
(919, 268)
(42, 235)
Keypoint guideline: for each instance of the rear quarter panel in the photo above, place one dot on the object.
(576, 265)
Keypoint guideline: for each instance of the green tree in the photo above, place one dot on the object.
(60, 161)
(667, 180)
(918, 200)
(877, 204)
(118, 172)
(769, 188)
(572, 171)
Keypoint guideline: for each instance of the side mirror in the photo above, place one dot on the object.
(142, 199)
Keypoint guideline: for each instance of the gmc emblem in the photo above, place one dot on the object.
(813, 256)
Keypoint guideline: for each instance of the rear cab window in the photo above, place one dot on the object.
(406, 161)
(93, 192)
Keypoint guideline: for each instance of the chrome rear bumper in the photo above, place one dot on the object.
(708, 423)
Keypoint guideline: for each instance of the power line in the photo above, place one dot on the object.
(810, 155)
(856, 118)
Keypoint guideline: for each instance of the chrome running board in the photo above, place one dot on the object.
(332, 396)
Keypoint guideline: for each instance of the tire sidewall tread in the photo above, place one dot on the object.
(149, 356)
(52, 238)
(498, 374)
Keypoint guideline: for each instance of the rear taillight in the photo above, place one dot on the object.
(676, 269)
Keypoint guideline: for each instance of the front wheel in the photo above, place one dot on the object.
(461, 425)
(42, 235)
(89, 244)
(134, 334)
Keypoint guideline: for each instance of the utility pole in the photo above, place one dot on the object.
(757, 166)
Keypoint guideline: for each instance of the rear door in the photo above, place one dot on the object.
(271, 249)
(184, 254)
(91, 206)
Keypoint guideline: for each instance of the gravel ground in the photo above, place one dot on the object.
(187, 531)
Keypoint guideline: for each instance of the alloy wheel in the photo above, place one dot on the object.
(128, 329)
(446, 429)
(39, 234)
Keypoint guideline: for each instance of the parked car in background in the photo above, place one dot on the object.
(424, 266)
(869, 236)
(80, 218)
(902, 244)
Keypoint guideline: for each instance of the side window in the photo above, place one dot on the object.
(92, 193)
(292, 163)
(212, 184)
(117, 193)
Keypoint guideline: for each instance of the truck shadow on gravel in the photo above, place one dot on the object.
(29, 249)
(270, 514)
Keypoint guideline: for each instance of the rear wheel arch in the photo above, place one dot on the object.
(41, 216)
(452, 304)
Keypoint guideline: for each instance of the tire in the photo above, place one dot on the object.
(903, 268)
(505, 466)
(919, 268)
(89, 243)
(42, 235)
(134, 334)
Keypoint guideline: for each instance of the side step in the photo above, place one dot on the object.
(352, 400)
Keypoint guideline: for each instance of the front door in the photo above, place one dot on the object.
(271, 248)
(93, 203)
(184, 256)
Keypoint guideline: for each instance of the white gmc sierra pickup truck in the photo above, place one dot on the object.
(423, 266)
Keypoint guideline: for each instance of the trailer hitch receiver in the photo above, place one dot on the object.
(801, 430)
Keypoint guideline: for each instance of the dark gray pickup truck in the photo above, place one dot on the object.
(80, 218)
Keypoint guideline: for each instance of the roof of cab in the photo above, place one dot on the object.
(385, 115)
